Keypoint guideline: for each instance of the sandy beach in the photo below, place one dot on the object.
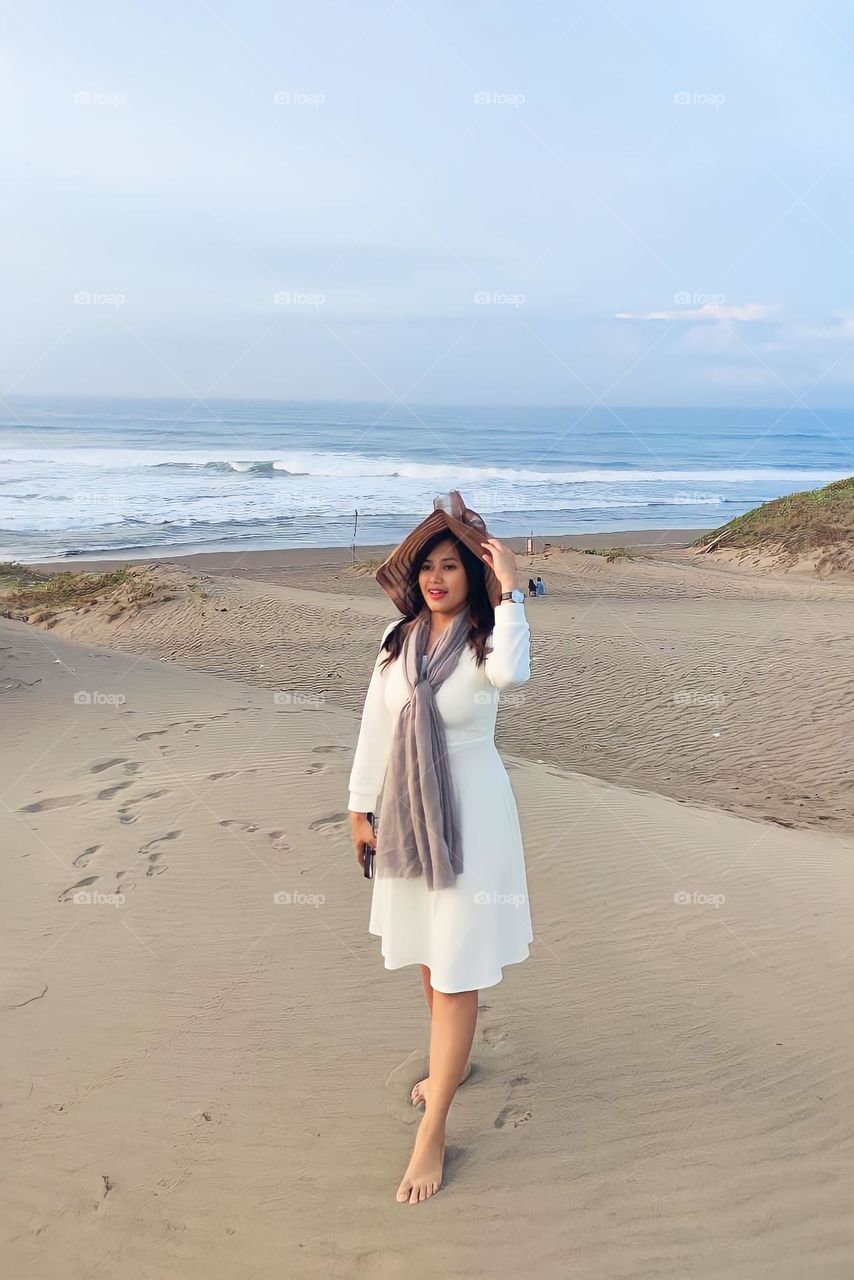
(206, 1067)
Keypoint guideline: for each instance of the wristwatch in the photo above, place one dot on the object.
(517, 596)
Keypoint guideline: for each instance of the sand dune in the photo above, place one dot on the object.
(667, 672)
(199, 1080)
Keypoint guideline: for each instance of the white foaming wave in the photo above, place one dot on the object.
(360, 466)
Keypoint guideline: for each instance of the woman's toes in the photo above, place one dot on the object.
(418, 1094)
(403, 1192)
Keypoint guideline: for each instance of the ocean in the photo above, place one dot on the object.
(138, 478)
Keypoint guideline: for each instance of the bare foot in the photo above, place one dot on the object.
(421, 1089)
(423, 1176)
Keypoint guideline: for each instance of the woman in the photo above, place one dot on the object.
(450, 891)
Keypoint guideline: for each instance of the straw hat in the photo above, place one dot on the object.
(449, 513)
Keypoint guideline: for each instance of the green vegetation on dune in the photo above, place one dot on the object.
(611, 553)
(813, 520)
(31, 596)
(33, 589)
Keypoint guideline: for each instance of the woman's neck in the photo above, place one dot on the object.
(439, 622)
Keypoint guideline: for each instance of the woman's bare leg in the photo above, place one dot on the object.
(452, 1027)
(428, 987)
(419, 1090)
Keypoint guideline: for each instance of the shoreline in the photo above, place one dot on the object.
(322, 556)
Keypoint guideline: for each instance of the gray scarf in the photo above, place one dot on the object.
(419, 833)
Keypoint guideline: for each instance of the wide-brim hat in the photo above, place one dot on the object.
(450, 514)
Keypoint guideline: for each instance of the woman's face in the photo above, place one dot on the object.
(442, 579)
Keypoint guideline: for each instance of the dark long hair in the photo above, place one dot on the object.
(481, 609)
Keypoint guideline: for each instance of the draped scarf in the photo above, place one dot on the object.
(419, 831)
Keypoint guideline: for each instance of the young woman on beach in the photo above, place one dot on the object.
(450, 891)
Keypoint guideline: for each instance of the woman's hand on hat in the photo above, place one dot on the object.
(502, 562)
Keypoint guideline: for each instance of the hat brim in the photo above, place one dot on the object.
(394, 573)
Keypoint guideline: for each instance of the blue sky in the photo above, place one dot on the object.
(467, 202)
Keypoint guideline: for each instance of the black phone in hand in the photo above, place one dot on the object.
(369, 851)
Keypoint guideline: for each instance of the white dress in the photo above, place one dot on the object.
(467, 932)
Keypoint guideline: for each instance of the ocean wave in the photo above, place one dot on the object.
(349, 466)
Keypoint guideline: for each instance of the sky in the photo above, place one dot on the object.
(448, 202)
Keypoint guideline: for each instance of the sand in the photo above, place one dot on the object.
(681, 674)
(198, 1080)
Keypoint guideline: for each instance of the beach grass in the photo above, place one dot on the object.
(611, 553)
(798, 523)
(31, 596)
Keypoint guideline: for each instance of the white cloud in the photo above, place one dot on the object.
(740, 375)
(707, 311)
(840, 326)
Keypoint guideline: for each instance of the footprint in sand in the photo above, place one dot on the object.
(512, 1115)
(398, 1086)
(109, 792)
(317, 767)
(81, 884)
(329, 751)
(333, 820)
(57, 802)
(153, 733)
(278, 839)
(83, 858)
(153, 858)
(149, 795)
(170, 835)
(494, 1034)
(107, 764)
(234, 773)
(125, 812)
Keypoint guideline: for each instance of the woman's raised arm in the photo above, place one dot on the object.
(509, 661)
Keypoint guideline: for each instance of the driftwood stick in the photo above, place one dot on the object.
(710, 546)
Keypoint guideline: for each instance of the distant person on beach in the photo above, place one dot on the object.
(532, 587)
(540, 587)
(450, 891)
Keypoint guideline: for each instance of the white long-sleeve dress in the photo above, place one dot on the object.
(465, 933)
